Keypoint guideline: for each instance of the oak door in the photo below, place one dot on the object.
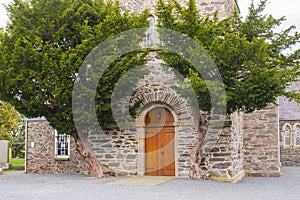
(159, 143)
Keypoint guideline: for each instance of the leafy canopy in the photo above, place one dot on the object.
(10, 122)
(248, 54)
(44, 46)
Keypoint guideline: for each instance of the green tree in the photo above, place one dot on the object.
(42, 50)
(248, 54)
(10, 121)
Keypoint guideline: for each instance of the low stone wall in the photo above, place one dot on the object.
(40, 147)
(261, 145)
(289, 156)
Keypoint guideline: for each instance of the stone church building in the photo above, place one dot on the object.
(289, 123)
(166, 132)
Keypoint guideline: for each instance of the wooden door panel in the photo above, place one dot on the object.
(159, 143)
(150, 147)
(166, 143)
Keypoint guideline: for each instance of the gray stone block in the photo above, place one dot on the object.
(4, 152)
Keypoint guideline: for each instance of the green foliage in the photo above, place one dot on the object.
(12, 128)
(248, 54)
(46, 43)
(109, 81)
(17, 143)
(10, 122)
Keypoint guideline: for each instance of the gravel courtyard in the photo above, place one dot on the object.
(17, 185)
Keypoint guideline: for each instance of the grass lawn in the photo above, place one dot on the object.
(17, 161)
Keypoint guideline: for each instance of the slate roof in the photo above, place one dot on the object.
(289, 110)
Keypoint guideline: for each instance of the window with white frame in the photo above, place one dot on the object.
(62, 146)
(297, 136)
(287, 136)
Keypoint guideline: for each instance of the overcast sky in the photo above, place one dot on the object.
(278, 8)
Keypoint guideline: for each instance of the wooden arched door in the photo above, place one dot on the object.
(159, 143)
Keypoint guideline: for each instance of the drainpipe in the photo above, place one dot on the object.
(26, 143)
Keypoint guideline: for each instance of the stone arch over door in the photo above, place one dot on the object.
(185, 124)
(143, 127)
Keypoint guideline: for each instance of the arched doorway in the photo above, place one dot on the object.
(159, 143)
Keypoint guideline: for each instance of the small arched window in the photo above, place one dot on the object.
(297, 136)
(287, 136)
(151, 33)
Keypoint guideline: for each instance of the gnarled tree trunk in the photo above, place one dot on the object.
(95, 167)
(196, 172)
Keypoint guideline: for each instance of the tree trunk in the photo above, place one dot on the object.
(196, 172)
(95, 167)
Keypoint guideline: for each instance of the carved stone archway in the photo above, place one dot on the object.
(186, 128)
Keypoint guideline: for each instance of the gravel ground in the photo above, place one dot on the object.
(17, 185)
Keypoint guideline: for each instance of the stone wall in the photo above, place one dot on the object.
(40, 150)
(224, 7)
(261, 142)
(289, 156)
(123, 149)
(120, 149)
(224, 162)
(186, 139)
(117, 149)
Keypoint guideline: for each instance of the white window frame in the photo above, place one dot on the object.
(66, 146)
(151, 32)
(285, 135)
(297, 135)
